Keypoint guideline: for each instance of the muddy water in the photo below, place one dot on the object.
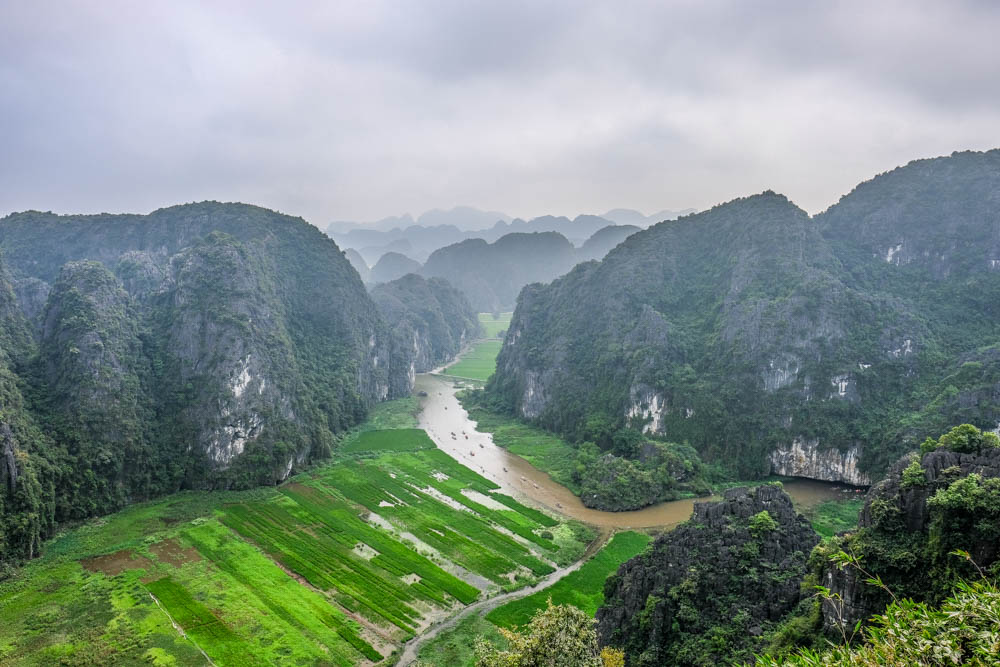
(442, 415)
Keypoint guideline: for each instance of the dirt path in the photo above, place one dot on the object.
(412, 647)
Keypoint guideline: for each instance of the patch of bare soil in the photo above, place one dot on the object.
(171, 551)
(115, 563)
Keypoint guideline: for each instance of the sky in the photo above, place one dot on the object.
(366, 109)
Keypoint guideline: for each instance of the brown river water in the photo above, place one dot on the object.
(442, 415)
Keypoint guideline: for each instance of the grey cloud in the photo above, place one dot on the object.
(362, 110)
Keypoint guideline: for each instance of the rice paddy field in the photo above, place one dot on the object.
(583, 588)
(340, 566)
(478, 363)
(492, 326)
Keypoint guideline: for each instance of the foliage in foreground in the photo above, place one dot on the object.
(560, 635)
(965, 629)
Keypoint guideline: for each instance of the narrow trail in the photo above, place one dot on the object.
(412, 647)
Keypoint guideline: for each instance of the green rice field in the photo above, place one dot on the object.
(583, 588)
(392, 440)
(493, 326)
(478, 363)
(339, 566)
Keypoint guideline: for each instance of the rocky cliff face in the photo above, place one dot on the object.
(752, 327)
(706, 591)
(927, 506)
(806, 458)
(207, 345)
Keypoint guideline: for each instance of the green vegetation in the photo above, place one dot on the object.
(834, 516)
(494, 324)
(556, 635)
(628, 472)
(429, 320)
(394, 440)
(964, 630)
(305, 573)
(492, 274)
(478, 363)
(583, 588)
(201, 325)
(456, 647)
(743, 327)
(542, 449)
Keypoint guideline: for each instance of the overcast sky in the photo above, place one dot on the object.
(359, 110)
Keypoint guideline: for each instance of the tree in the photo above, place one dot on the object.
(558, 636)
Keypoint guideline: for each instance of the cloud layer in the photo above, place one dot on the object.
(358, 110)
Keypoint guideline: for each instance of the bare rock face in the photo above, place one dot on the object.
(229, 345)
(728, 570)
(8, 464)
(805, 458)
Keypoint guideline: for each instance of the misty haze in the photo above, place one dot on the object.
(445, 334)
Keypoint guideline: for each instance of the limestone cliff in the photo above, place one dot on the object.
(205, 345)
(775, 341)
(430, 322)
(930, 504)
(710, 588)
(806, 458)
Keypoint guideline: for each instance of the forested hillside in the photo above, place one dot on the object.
(205, 345)
(775, 342)
(430, 322)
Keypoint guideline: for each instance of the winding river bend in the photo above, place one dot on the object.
(449, 426)
(441, 415)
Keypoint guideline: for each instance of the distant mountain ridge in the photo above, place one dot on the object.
(771, 341)
(437, 229)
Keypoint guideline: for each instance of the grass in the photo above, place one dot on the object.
(478, 363)
(394, 440)
(835, 516)
(493, 326)
(302, 574)
(583, 588)
(456, 647)
(545, 451)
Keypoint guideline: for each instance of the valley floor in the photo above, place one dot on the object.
(408, 533)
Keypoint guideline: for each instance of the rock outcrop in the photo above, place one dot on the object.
(929, 505)
(805, 458)
(733, 570)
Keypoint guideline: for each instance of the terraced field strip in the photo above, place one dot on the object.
(199, 623)
(315, 529)
(478, 363)
(583, 588)
(464, 537)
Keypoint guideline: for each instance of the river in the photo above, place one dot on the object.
(442, 415)
(449, 426)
